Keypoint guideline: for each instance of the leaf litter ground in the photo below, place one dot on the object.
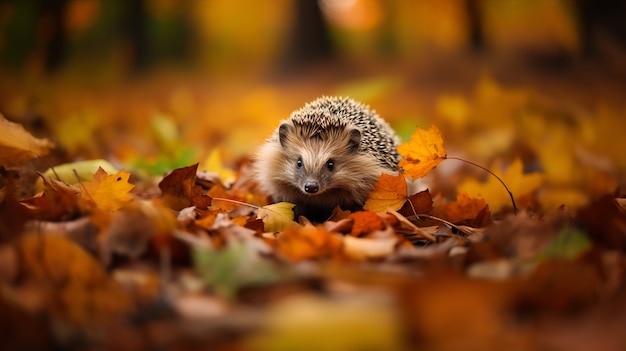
(199, 259)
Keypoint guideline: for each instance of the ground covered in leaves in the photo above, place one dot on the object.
(117, 233)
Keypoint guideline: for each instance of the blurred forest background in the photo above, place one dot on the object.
(158, 84)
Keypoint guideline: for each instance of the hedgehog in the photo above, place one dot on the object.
(328, 153)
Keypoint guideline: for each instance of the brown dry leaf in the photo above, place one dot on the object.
(420, 203)
(179, 189)
(13, 214)
(364, 222)
(18, 146)
(307, 242)
(76, 286)
(59, 201)
(390, 193)
(473, 212)
(414, 229)
(423, 153)
(108, 191)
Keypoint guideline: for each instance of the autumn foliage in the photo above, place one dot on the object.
(198, 251)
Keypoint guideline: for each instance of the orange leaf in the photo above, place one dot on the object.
(468, 211)
(307, 242)
(364, 222)
(423, 153)
(179, 189)
(108, 191)
(389, 194)
(75, 285)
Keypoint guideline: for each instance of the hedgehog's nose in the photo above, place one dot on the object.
(311, 187)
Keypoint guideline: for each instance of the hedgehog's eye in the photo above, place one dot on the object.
(299, 163)
(330, 164)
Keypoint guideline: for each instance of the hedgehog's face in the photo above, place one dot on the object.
(318, 161)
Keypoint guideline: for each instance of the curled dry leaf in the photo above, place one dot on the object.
(179, 189)
(415, 229)
(18, 146)
(419, 203)
(59, 201)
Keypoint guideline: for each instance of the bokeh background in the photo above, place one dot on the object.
(152, 85)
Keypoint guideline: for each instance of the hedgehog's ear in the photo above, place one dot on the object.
(355, 140)
(283, 133)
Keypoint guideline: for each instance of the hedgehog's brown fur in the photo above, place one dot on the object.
(296, 157)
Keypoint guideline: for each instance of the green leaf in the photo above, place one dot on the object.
(233, 267)
(569, 244)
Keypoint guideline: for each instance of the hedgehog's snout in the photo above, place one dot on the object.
(311, 187)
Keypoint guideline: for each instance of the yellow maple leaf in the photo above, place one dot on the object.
(423, 153)
(495, 194)
(108, 191)
(17, 145)
(390, 193)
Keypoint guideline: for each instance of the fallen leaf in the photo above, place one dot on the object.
(307, 242)
(179, 189)
(276, 217)
(236, 265)
(367, 248)
(465, 210)
(108, 191)
(420, 203)
(72, 173)
(495, 194)
(214, 163)
(569, 244)
(13, 214)
(605, 223)
(18, 146)
(311, 322)
(423, 153)
(390, 193)
(59, 201)
(364, 222)
(76, 286)
(136, 229)
(217, 193)
(414, 229)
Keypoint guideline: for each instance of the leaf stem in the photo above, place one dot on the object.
(251, 205)
(515, 209)
(236, 202)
